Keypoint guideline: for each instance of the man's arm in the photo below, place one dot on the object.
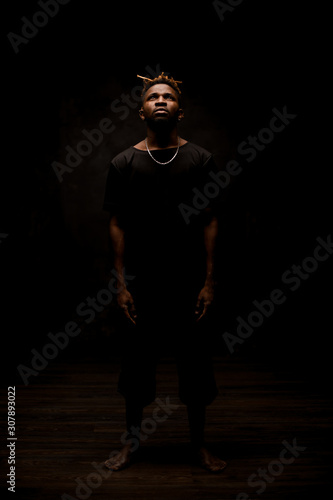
(206, 295)
(124, 298)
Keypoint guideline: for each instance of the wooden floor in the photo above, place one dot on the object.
(71, 417)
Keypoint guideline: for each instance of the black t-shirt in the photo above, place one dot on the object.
(163, 227)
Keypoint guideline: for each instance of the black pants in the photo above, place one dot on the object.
(166, 326)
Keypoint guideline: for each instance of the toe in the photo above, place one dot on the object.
(219, 466)
(110, 464)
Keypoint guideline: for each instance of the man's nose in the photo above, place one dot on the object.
(160, 101)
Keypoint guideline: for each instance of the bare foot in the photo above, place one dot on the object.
(209, 461)
(121, 460)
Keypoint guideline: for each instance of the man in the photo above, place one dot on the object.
(170, 251)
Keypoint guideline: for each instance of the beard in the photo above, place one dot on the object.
(162, 125)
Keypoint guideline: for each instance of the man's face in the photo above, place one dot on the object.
(161, 104)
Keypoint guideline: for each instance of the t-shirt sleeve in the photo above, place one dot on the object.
(211, 186)
(114, 190)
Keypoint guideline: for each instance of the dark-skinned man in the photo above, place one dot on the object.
(172, 259)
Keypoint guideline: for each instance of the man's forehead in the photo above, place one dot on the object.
(161, 88)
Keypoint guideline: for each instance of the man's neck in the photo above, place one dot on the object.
(162, 139)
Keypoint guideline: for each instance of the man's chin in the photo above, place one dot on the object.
(158, 118)
(161, 122)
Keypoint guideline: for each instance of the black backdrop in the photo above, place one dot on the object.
(54, 249)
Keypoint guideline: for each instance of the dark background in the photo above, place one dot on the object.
(264, 55)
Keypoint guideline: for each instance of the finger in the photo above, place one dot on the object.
(199, 300)
(131, 319)
(204, 311)
(196, 312)
(127, 314)
(201, 315)
(132, 309)
(198, 306)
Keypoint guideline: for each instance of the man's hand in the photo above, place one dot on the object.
(205, 298)
(126, 303)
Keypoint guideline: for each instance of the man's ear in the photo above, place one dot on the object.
(141, 114)
(180, 114)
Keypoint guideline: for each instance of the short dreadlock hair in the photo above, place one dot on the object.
(162, 78)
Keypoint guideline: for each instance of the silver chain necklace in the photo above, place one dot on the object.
(159, 162)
